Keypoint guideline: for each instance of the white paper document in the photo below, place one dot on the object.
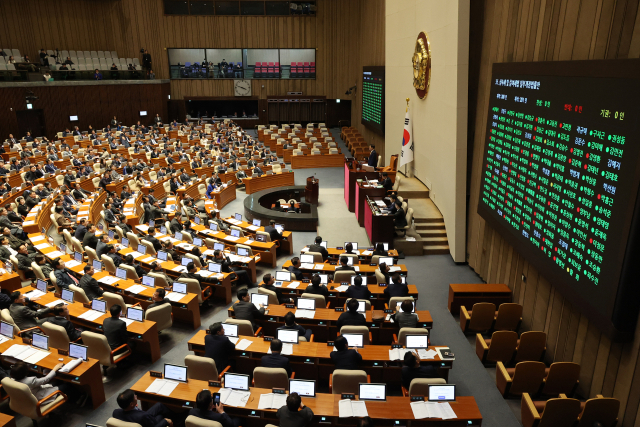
(174, 296)
(25, 353)
(307, 266)
(305, 314)
(90, 315)
(127, 321)
(293, 285)
(36, 293)
(234, 340)
(109, 280)
(235, 398)
(149, 260)
(136, 289)
(395, 268)
(162, 387)
(248, 242)
(56, 302)
(243, 344)
(3, 339)
(37, 238)
(135, 254)
(252, 227)
(41, 245)
(287, 349)
(426, 354)
(319, 267)
(367, 253)
(205, 273)
(185, 246)
(398, 353)
(54, 254)
(180, 268)
(272, 401)
(71, 264)
(341, 288)
(352, 408)
(441, 410)
(232, 238)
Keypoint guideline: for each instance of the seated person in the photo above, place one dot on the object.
(386, 182)
(295, 268)
(246, 310)
(206, 409)
(380, 250)
(61, 318)
(267, 283)
(404, 316)
(344, 265)
(357, 290)
(41, 387)
(316, 247)
(343, 357)
(275, 359)
(348, 249)
(396, 288)
(290, 324)
(115, 329)
(351, 316)
(273, 231)
(157, 416)
(317, 288)
(294, 414)
(412, 369)
(218, 347)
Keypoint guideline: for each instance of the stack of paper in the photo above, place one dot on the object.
(432, 410)
(37, 238)
(162, 387)
(253, 227)
(272, 401)
(71, 264)
(395, 268)
(319, 267)
(109, 280)
(204, 273)
(234, 339)
(149, 260)
(352, 408)
(235, 398)
(248, 242)
(25, 353)
(341, 288)
(174, 296)
(54, 254)
(367, 253)
(293, 285)
(127, 321)
(287, 349)
(398, 353)
(180, 268)
(243, 344)
(307, 266)
(90, 315)
(42, 246)
(426, 354)
(36, 293)
(136, 289)
(135, 254)
(56, 302)
(305, 314)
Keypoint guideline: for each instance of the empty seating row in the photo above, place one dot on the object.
(12, 52)
(484, 317)
(105, 62)
(84, 54)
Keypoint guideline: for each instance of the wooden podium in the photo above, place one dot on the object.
(311, 190)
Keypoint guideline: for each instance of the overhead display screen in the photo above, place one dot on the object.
(560, 178)
(373, 98)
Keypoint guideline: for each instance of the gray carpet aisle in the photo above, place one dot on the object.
(431, 274)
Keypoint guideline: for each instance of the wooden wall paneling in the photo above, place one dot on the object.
(581, 336)
(613, 365)
(574, 325)
(543, 294)
(634, 44)
(586, 21)
(600, 367)
(626, 374)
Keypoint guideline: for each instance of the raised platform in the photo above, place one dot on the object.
(258, 206)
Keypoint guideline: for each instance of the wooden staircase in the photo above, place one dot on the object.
(433, 234)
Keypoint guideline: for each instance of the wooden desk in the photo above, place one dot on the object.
(317, 161)
(311, 360)
(395, 408)
(468, 294)
(364, 269)
(379, 228)
(364, 255)
(7, 420)
(283, 179)
(351, 175)
(225, 196)
(286, 244)
(362, 191)
(87, 375)
(324, 326)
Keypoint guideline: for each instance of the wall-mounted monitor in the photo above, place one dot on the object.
(73, 118)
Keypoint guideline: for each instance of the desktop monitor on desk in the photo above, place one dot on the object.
(135, 314)
(306, 259)
(288, 335)
(78, 351)
(67, 295)
(236, 381)
(417, 341)
(197, 241)
(175, 372)
(258, 299)
(283, 276)
(442, 393)
(218, 246)
(257, 222)
(41, 341)
(149, 281)
(238, 217)
(121, 273)
(6, 329)
(306, 388)
(99, 305)
(372, 391)
(180, 288)
(388, 260)
(354, 244)
(162, 256)
(354, 340)
(243, 252)
(230, 330)
(306, 303)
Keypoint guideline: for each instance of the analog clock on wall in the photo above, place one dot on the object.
(242, 87)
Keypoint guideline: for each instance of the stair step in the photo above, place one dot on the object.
(430, 226)
(428, 220)
(434, 241)
(427, 235)
(435, 250)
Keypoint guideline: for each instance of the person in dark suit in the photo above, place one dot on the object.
(115, 329)
(157, 416)
(358, 291)
(273, 231)
(243, 276)
(151, 239)
(396, 288)
(380, 250)
(90, 238)
(351, 317)
(89, 285)
(176, 223)
(218, 347)
(158, 298)
(412, 369)
(275, 359)
(344, 265)
(317, 288)
(105, 180)
(291, 325)
(316, 247)
(244, 309)
(343, 357)
(373, 157)
(294, 414)
(267, 283)
(384, 269)
(61, 318)
(386, 182)
(348, 249)
(207, 410)
(295, 268)
(399, 217)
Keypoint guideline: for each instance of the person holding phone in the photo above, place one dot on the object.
(209, 407)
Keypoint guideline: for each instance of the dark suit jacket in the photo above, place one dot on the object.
(346, 359)
(91, 287)
(90, 240)
(320, 290)
(394, 290)
(345, 268)
(159, 303)
(247, 311)
(273, 233)
(276, 361)
(320, 249)
(155, 242)
(220, 349)
(400, 220)
(373, 159)
(359, 292)
(296, 272)
(281, 299)
(351, 319)
(149, 418)
(116, 332)
(72, 332)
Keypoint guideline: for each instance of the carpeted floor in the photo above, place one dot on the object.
(431, 274)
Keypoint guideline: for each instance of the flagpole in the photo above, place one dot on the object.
(405, 165)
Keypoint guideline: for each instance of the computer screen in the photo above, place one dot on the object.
(125, 242)
(324, 244)
(386, 245)
(77, 256)
(236, 381)
(178, 235)
(442, 392)
(41, 285)
(63, 248)
(280, 228)
(152, 223)
(386, 259)
(305, 388)
(196, 219)
(417, 341)
(261, 238)
(243, 252)
(260, 299)
(163, 230)
(413, 309)
(142, 249)
(213, 226)
(238, 217)
(99, 305)
(368, 391)
(284, 276)
(362, 306)
(197, 241)
(6, 329)
(135, 314)
(324, 278)
(40, 341)
(97, 265)
(214, 267)
(162, 256)
(353, 280)
(111, 234)
(288, 335)
(185, 261)
(218, 246)
(354, 340)
(354, 244)
(349, 260)
(149, 281)
(67, 295)
(308, 259)
(306, 303)
(175, 372)
(121, 273)
(180, 287)
(257, 222)
(373, 102)
(235, 233)
(230, 329)
(78, 351)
